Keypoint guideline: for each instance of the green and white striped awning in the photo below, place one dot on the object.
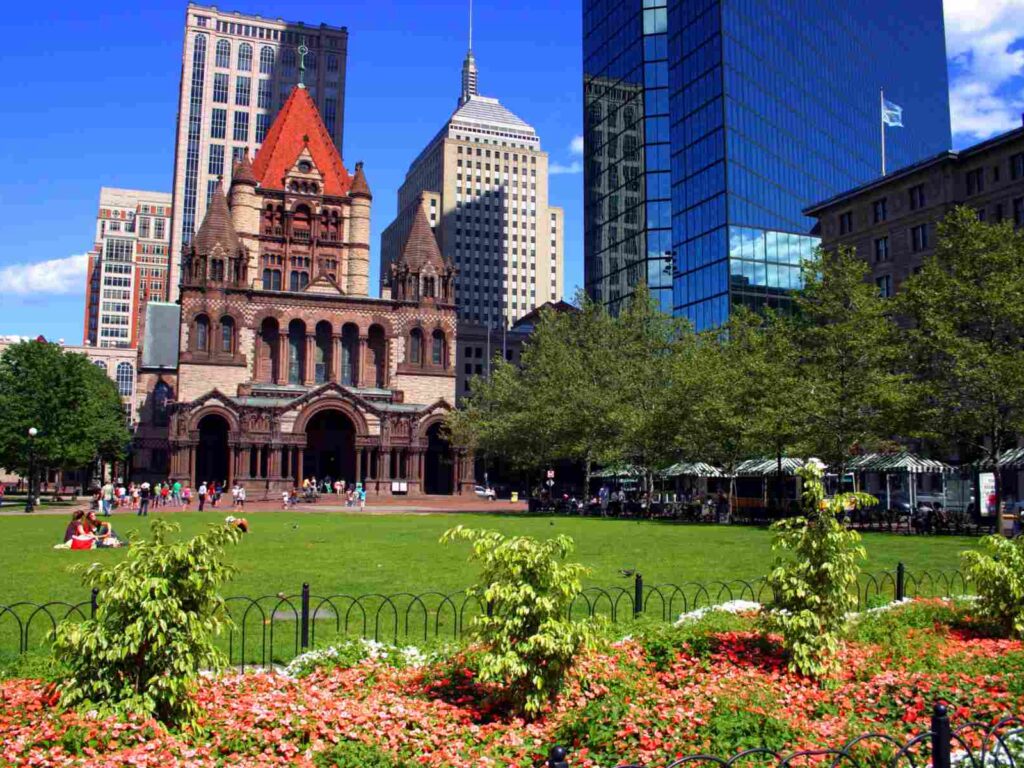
(903, 462)
(768, 467)
(692, 469)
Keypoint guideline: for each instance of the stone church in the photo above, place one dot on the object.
(285, 367)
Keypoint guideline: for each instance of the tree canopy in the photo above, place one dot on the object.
(71, 402)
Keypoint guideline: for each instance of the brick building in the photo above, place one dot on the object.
(892, 220)
(285, 367)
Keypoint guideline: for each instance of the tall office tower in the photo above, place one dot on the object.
(128, 264)
(236, 72)
(483, 183)
(709, 126)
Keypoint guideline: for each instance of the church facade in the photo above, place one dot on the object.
(286, 368)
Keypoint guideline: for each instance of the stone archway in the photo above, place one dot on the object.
(212, 453)
(330, 446)
(438, 464)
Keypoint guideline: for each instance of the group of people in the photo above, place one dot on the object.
(354, 494)
(87, 531)
(140, 498)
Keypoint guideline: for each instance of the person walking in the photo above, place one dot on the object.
(362, 498)
(176, 492)
(202, 495)
(107, 497)
(241, 497)
(144, 496)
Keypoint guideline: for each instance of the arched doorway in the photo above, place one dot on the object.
(330, 447)
(212, 451)
(438, 466)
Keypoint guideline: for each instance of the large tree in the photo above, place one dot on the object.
(75, 407)
(966, 325)
(850, 356)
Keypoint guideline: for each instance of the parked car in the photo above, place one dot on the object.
(484, 492)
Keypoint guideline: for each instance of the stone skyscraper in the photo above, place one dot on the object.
(236, 73)
(482, 181)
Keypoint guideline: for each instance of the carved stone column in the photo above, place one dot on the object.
(309, 366)
(257, 348)
(362, 377)
(335, 371)
(282, 359)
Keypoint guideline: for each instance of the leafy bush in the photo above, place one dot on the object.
(814, 575)
(529, 643)
(997, 573)
(158, 613)
(357, 754)
(662, 642)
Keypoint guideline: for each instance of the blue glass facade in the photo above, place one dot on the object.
(767, 106)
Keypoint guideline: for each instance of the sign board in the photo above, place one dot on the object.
(551, 474)
(399, 486)
(987, 493)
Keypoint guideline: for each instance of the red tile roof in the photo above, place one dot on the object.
(297, 126)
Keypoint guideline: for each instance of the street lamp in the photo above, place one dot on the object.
(29, 501)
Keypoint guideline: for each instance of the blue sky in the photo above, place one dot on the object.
(91, 94)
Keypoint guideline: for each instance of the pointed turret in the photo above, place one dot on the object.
(242, 173)
(217, 228)
(359, 186)
(421, 246)
(421, 272)
(216, 253)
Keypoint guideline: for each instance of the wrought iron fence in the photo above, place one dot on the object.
(970, 745)
(275, 628)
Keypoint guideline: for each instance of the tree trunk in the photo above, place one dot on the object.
(588, 466)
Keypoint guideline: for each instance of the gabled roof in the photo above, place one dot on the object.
(297, 126)
(217, 228)
(421, 246)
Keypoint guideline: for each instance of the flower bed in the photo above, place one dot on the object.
(708, 685)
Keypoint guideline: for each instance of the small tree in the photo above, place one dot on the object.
(814, 575)
(158, 613)
(529, 641)
(998, 574)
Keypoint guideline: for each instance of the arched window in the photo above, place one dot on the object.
(437, 348)
(245, 57)
(288, 60)
(416, 347)
(227, 335)
(223, 54)
(101, 364)
(202, 334)
(161, 394)
(266, 60)
(428, 287)
(298, 280)
(217, 270)
(125, 379)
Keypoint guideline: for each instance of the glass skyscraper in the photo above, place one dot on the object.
(710, 124)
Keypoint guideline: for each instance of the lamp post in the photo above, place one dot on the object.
(30, 500)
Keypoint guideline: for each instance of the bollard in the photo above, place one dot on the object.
(557, 758)
(305, 616)
(942, 737)
(92, 602)
(901, 581)
(638, 595)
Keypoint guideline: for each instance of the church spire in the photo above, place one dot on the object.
(469, 65)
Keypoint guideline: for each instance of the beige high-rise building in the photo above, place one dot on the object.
(128, 264)
(483, 183)
(236, 72)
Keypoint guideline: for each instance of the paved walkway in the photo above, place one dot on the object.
(391, 505)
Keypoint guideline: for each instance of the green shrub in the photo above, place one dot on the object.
(528, 641)
(662, 642)
(158, 613)
(815, 575)
(356, 754)
(997, 572)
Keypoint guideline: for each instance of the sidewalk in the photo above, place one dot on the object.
(390, 505)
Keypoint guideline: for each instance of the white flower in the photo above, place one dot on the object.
(733, 606)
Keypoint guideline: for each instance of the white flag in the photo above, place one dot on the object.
(892, 115)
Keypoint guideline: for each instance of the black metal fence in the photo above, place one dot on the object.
(273, 629)
(970, 745)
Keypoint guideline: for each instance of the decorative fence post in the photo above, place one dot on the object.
(92, 602)
(901, 581)
(305, 616)
(557, 758)
(638, 595)
(942, 737)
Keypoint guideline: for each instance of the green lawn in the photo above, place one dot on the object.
(355, 555)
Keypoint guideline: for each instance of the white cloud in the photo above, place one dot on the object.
(986, 96)
(576, 145)
(556, 169)
(56, 276)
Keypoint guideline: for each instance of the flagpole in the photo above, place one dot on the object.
(881, 119)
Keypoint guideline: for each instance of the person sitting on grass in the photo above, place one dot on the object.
(102, 531)
(239, 522)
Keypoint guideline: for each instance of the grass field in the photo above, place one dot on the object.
(353, 554)
(339, 554)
